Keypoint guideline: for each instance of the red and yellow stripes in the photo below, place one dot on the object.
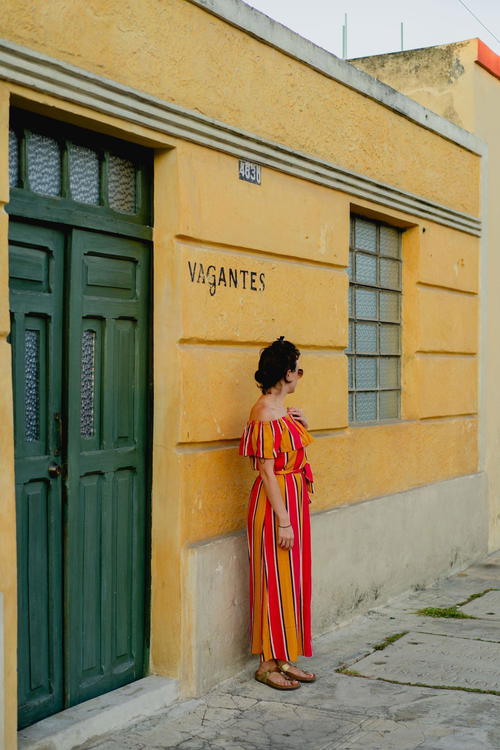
(269, 439)
(280, 580)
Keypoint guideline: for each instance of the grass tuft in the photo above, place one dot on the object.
(390, 639)
(346, 670)
(475, 596)
(443, 612)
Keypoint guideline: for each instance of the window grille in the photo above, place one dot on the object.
(374, 350)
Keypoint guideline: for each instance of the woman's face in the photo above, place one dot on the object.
(293, 376)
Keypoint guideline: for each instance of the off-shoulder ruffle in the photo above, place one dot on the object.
(267, 439)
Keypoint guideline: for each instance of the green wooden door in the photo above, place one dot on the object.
(107, 421)
(79, 296)
(36, 300)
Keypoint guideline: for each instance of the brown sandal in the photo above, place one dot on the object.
(285, 667)
(263, 676)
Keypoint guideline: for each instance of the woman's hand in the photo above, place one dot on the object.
(285, 537)
(297, 414)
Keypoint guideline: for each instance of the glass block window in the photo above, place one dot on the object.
(87, 387)
(374, 350)
(32, 385)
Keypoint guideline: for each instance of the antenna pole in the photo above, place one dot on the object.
(402, 36)
(344, 37)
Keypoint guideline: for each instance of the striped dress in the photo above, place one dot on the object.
(280, 579)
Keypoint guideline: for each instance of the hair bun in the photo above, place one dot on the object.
(274, 362)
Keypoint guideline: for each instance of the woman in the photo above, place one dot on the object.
(279, 537)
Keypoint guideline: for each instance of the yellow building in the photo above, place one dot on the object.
(460, 81)
(181, 183)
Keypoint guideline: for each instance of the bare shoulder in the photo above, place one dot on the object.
(260, 412)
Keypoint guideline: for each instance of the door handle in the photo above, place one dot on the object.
(55, 470)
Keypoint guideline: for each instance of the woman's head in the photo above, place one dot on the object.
(276, 362)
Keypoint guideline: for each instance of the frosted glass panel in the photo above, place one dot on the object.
(389, 306)
(389, 339)
(389, 372)
(351, 407)
(87, 385)
(351, 301)
(366, 406)
(389, 242)
(390, 273)
(366, 303)
(366, 235)
(350, 270)
(32, 385)
(44, 164)
(13, 159)
(389, 404)
(366, 372)
(121, 184)
(366, 338)
(366, 269)
(83, 174)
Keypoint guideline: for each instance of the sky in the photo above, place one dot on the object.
(374, 26)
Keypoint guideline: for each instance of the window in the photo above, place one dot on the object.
(56, 161)
(374, 350)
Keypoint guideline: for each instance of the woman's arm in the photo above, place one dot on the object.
(273, 492)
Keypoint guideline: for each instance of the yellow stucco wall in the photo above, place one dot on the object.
(441, 78)
(222, 335)
(294, 235)
(177, 51)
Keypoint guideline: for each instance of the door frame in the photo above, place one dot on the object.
(63, 213)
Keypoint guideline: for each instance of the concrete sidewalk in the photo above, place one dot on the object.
(436, 686)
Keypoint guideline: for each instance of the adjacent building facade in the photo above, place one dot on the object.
(181, 184)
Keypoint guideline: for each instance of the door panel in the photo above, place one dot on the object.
(36, 299)
(81, 400)
(107, 410)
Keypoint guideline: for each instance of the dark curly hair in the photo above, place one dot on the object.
(274, 362)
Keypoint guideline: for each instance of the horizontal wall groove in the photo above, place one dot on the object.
(444, 288)
(447, 417)
(252, 345)
(203, 446)
(439, 353)
(354, 503)
(37, 71)
(249, 252)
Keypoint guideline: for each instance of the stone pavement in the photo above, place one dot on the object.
(426, 689)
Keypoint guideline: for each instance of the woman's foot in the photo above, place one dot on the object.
(290, 670)
(275, 676)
